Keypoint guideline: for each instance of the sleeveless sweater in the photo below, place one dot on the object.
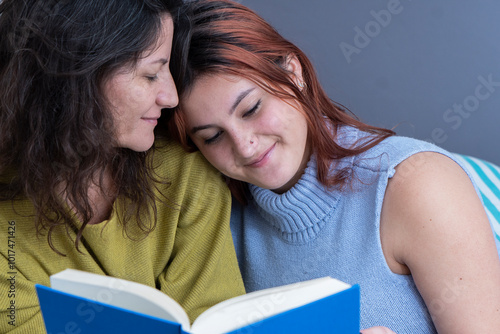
(309, 232)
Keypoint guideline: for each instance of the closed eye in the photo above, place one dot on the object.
(214, 139)
(253, 110)
(152, 78)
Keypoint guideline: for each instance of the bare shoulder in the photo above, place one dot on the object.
(434, 226)
(428, 185)
(429, 195)
(429, 171)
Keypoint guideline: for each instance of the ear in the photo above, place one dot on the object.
(294, 67)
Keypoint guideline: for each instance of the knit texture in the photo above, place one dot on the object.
(311, 232)
(189, 255)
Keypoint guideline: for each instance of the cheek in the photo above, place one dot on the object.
(294, 122)
(279, 117)
(276, 123)
(137, 96)
(217, 156)
(132, 94)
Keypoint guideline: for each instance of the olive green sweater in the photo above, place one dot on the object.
(189, 255)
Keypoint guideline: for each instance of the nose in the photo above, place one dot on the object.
(167, 93)
(245, 143)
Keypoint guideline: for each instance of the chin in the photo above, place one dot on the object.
(138, 143)
(143, 148)
(139, 146)
(274, 186)
(283, 186)
(139, 150)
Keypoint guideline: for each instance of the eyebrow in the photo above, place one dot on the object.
(162, 61)
(238, 100)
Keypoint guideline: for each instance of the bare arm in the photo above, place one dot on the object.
(434, 226)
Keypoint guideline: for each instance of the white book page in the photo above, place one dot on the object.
(121, 293)
(255, 306)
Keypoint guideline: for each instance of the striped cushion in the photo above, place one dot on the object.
(487, 178)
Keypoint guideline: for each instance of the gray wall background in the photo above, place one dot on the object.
(431, 68)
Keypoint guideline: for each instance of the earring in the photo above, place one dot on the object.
(251, 141)
(301, 85)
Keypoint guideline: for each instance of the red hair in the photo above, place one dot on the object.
(229, 38)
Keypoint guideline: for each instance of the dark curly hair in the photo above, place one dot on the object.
(56, 132)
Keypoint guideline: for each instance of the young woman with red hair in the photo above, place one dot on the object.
(321, 193)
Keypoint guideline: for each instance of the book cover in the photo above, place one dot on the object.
(321, 305)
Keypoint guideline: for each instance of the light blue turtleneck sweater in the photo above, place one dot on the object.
(309, 232)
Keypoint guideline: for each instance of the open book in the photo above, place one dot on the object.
(94, 303)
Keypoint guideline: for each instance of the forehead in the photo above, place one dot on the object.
(214, 88)
(167, 28)
(162, 46)
(217, 81)
(212, 97)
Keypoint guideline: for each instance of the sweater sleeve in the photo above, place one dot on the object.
(19, 310)
(189, 255)
(203, 269)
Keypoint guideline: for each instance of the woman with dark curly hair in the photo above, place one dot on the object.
(85, 182)
(324, 194)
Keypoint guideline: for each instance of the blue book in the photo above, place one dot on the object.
(81, 302)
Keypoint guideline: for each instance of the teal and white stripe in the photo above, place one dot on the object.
(487, 178)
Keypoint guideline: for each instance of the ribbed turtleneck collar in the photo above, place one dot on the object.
(301, 208)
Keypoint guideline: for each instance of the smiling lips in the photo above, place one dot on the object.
(151, 120)
(263, 159)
